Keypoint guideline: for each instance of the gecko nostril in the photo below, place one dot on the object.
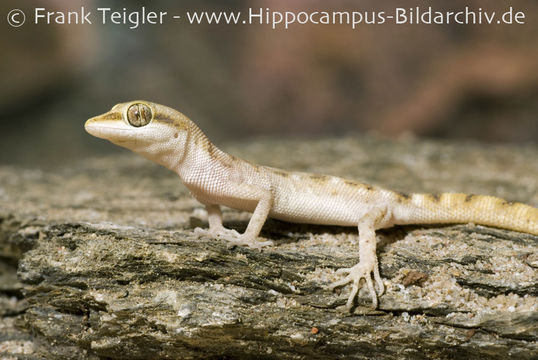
(176, 135)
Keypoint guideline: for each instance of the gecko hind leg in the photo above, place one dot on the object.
(368, 267)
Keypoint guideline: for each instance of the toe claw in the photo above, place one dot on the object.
(336, 284)
(351, 297)
(380, 288)
(261, 244)
(378, 281)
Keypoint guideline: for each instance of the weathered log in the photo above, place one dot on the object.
(108, 265)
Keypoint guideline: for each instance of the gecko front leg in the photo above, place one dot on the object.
(249, 237)
(216, 229)
(368, 264)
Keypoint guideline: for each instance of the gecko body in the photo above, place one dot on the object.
(216, 178)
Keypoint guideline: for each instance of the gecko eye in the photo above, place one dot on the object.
(139, 115)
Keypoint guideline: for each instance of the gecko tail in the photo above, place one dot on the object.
(463, 208)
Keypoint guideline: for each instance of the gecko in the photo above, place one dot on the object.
(215, 179)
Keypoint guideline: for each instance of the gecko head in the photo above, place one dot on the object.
(152, 130)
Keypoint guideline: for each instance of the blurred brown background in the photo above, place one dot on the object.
(444, 81)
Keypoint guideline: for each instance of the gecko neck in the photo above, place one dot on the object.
(199, 155)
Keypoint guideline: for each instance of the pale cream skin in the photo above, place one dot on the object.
(215, 178)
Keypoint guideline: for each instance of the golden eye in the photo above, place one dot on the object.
(139, 115)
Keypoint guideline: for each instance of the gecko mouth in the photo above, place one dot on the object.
(104, 129)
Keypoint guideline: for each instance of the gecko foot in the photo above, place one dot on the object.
(253, 244)
(354, 275)
(221, 233)
(233, 237)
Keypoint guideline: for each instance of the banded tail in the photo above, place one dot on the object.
(462, 208)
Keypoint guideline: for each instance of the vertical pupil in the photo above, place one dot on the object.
(139, 115)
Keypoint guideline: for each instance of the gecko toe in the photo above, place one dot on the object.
(339, 283)
(379, 282)
(251, 243)
(262, 244)
(256, 244)
(199, 232)
(343, 271)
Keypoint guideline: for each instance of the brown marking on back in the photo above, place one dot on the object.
(281, 173)
(469, 197)
(319, 178)
(507, 203)
(203, 143)
(356, 184)
(257, 168)
(227, 164)
(404, 195)
(211, 150)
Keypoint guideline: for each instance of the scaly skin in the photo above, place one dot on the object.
(215, 178)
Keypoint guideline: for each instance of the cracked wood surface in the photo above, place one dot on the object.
(108, 265)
